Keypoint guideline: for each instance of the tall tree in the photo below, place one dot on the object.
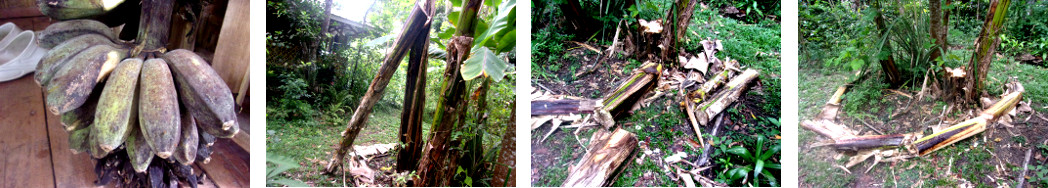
(437, 167)
(416, 33)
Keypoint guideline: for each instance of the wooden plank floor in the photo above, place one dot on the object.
(34, 148)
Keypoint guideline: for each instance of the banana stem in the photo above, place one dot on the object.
(154, 25)
(968, 128)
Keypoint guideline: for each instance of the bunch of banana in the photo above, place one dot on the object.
(111, 96)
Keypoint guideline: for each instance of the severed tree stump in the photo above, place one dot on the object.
(609, 153)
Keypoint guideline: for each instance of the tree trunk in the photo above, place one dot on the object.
(580, 22)
(608, 155)
(436, 167)
(315, 46)
(891, 73)
(936, 28)
(416, 33)
(504, 175)
(985, 47)
(946, 27)
(677, 19)
(414, 101)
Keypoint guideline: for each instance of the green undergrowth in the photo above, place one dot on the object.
(310, 141)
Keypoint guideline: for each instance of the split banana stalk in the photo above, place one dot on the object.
(136, 98)
(912, 144)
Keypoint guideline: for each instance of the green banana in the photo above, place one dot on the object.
(204, 93)
(62, 31)
(70, 86)
(158, 108)
(78, 140)
(73, 9)
(138, 150)
(187, 147)
(92, 146)
(83, 116)
(207, 139)
(57, 56)
(117, 109)
(204, 148)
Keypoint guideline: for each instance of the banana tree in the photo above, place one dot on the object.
(471, 56)
(416, 33)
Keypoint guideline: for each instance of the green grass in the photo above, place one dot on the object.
(753, 45)
(826, 175)
(305, 140)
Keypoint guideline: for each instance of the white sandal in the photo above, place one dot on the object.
(20, 56)
(7, 33)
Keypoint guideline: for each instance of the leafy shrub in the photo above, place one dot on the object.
(276, 165)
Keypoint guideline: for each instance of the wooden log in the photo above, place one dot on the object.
(632, 90)
(724, 98)
(563, 106)
(829, 129)
(417, 27)
(609, 154)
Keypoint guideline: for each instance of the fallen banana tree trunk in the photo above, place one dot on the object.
(825, 123)
(913, 144)
(633, 89)
(969, 128)
(564, 106)
(608, 155)
(724, 98)
(416, 33)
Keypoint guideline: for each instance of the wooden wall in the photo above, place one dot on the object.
(23, 13)
(222, 30)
